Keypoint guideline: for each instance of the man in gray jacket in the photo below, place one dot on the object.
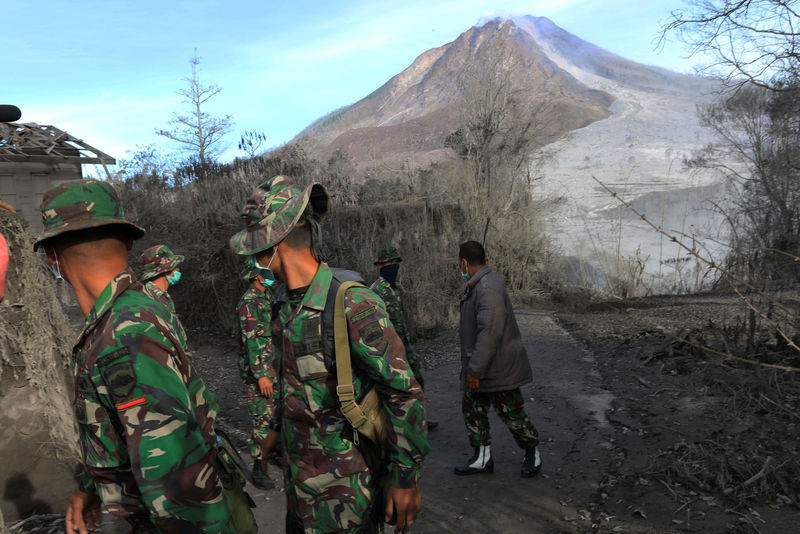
(493, 365)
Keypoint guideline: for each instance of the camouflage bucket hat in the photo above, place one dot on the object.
(81, 204)
(275, 184)
(272, 212)
(158, 260)
(387, 254)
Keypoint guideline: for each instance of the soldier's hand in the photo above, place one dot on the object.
(83, 512)
(406, 503)
(473, 383)
(265, 385)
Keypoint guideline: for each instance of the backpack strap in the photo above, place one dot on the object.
(328, 341)
(345, 390)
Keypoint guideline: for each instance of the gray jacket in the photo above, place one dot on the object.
(491, 345)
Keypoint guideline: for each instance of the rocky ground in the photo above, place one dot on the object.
(644, 429)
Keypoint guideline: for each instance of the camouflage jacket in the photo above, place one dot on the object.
(163, 297)
(313, 430)
(255, 343)
(145, 417)
(394, 307)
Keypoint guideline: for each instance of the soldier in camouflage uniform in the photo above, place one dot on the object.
(256, 367)
(160, 270)
(386, 287)
(145, 417)
(331, 477)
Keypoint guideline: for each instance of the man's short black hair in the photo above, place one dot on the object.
(473, 252)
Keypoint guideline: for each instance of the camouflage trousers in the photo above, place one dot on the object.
(510, 407)
(335, 502)
(339, 505)
(260, 409)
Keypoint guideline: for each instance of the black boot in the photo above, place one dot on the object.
(261, 479)
(531, 464)
(481, 462)
(432, 424)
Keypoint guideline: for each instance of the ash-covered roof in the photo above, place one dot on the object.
(31, 142)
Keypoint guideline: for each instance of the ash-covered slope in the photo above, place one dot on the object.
(637, 151)
(414, 111)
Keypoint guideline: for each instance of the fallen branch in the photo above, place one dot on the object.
(672, 491)
(782, 407)
(753, 479)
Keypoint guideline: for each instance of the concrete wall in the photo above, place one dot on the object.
(23, 184)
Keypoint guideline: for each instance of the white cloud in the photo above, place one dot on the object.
(330, 50)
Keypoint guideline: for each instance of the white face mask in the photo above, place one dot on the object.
(56, 270)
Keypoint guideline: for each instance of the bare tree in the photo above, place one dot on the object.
(501, 128)
(758, 150)
(251, 142)
(752, 41)
(199, 132)
(497, 133)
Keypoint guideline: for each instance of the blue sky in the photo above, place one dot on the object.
(107, 71)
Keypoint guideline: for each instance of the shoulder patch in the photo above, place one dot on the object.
(106, 359)
(371, 333)
(120, 377)
(365, 314)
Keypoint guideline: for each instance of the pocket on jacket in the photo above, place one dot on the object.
(101, 446)
(313, 375)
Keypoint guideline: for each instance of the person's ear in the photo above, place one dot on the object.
(129, 244)
(51, 255)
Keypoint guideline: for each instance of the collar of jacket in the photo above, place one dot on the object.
(480, 273)
(317, 292)
(106, 299)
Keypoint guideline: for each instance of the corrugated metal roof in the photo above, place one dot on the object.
(31, 142)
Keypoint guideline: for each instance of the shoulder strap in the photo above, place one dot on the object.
(338, 277)
(344, 371)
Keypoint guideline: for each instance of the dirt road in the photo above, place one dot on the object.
(638, 435)
(568, 406)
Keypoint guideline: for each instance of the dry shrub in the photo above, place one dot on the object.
(508, 222)
(196, 220)
(425, 214)
(427, 238)
(748, 455)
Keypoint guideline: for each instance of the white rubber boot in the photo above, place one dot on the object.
(481, 462)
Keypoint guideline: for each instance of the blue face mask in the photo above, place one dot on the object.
(465, 275)
(389, 273)
(173, 277)
(265, 272)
